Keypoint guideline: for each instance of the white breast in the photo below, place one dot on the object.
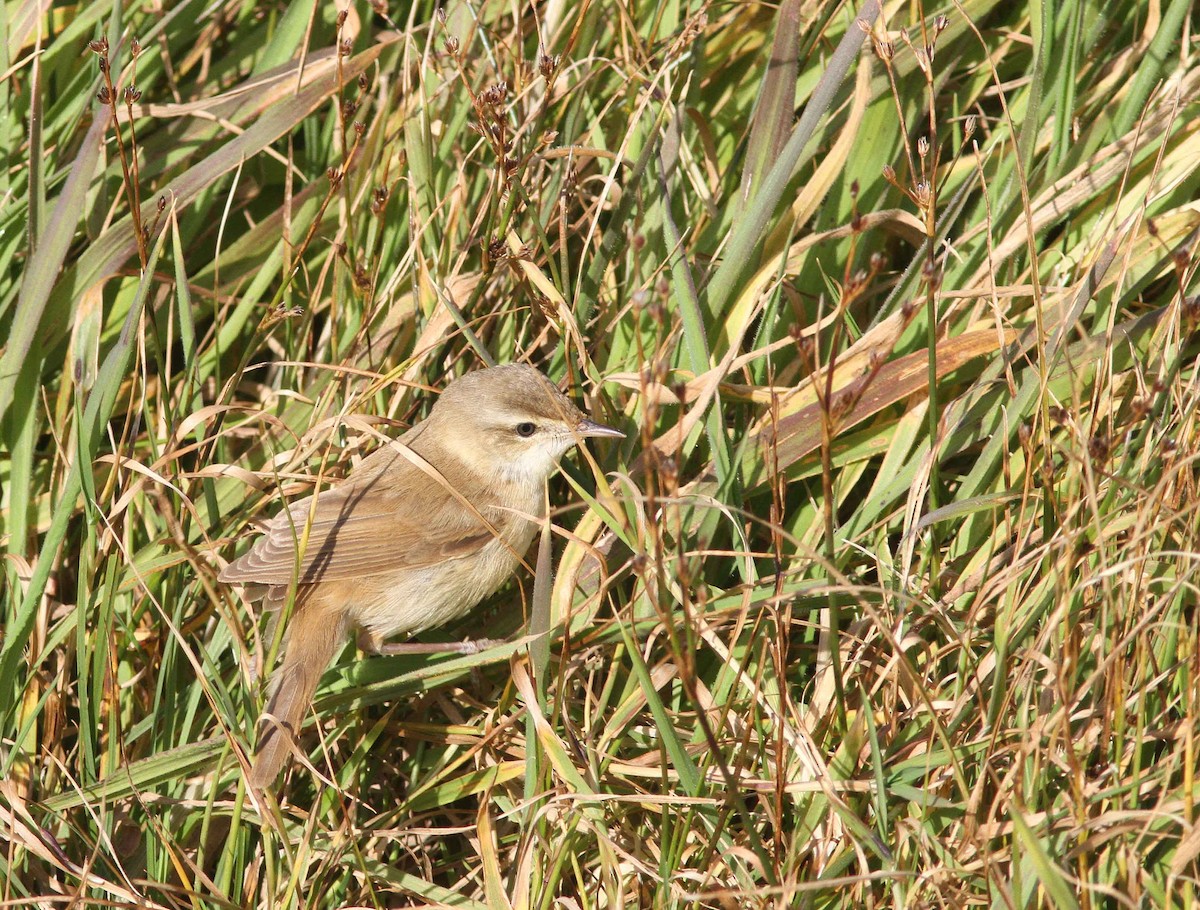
(409, 601)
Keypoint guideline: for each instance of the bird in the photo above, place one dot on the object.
(419, 533)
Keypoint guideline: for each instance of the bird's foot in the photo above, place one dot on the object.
(373, 644)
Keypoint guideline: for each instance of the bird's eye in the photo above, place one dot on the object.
(526, 429)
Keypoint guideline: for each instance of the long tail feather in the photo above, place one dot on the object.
(312, 640)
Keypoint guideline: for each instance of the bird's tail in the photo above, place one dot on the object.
(313, 638)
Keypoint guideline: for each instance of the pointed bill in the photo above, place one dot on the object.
(589, 427)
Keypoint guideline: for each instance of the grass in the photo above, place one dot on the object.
(889, 598)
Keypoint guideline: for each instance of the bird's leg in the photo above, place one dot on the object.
(373, 643)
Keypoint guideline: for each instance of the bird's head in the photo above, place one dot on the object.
(512, 422)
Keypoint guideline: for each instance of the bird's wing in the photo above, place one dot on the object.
(391, 515)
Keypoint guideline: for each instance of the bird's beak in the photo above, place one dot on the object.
(587, 427)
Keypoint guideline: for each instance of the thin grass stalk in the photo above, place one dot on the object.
(108, 97)
(925, 193)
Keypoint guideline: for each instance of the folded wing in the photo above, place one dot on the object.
(348, 533)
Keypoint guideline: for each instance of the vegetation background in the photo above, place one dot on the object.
(890, 596)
